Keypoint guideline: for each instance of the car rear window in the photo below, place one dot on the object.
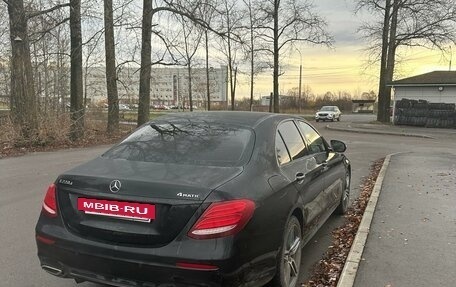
(198, 143)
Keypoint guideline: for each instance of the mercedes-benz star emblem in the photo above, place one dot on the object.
(115, 186)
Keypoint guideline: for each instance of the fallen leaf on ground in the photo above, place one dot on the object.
(326, 272)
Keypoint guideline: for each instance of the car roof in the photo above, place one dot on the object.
(239, 118)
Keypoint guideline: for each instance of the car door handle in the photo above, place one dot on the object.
(300, 177)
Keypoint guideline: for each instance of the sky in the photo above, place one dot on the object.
(342, 67)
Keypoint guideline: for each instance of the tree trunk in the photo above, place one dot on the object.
(190, 98)
(207, 73)
(111, 76)
(76, 86)
(381, 114)
(23, 99)
(232, 96)
(276, 51)
(46, 79)
(390, 60)
(252, 60)
(232, 77)
(271, 102)
(144, 77)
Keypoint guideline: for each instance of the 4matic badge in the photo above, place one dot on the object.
(187, 195)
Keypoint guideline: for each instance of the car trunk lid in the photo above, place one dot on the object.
(169, 193)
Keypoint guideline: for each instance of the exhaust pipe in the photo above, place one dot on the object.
(53, 270)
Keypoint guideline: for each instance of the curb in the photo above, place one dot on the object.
(348, 275)
(363, 131)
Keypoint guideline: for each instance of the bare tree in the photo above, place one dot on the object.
(252, 46)
(429, 24)
(207, 13)
(23, 100)
(230, 20)
(45, 35)
(61, 72)
(251, 50)
(76, 85)
(179, 7)
(24, 108)
(5, 47)
(111, 75)
(90, 52)
(146, 53)
(287, 22)
(187, 46)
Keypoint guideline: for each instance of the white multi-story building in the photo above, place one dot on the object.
(169, 86)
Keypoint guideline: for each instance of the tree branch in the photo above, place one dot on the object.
(44, 32)
(38, 13)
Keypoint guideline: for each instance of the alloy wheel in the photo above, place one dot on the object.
(346, 194)
(291, 260)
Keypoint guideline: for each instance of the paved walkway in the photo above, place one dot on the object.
(412, 239)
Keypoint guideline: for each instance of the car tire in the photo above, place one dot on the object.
(317, 121)
(345, 198)
(289, 262)
(338, 119)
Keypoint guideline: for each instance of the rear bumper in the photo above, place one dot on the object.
(119, 272)
(71, 256)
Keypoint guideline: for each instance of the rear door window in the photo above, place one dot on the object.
(293, 140)
(281, 150)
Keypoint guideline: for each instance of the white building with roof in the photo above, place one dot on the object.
(434, 87)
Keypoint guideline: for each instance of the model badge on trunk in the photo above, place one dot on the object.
(188, 195)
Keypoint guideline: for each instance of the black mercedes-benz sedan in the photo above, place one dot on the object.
(195, 199)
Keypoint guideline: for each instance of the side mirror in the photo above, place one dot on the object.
(338, 146)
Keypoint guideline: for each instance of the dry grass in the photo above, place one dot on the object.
(53, 133)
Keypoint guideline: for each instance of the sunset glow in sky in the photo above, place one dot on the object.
(344, 66)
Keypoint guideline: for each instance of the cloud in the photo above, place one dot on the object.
(342, 22)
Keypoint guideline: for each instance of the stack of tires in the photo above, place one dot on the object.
(424, 114)
(411, 113)
(441, 115)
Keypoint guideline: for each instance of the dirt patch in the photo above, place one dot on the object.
(327, 271)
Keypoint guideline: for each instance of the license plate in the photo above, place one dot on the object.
(120, 209)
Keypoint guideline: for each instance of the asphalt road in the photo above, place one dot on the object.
(23, 181)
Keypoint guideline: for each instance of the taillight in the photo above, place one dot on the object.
(50, 203)
(223, 219)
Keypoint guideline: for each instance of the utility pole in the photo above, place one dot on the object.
(300, 81)
(299, 96)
